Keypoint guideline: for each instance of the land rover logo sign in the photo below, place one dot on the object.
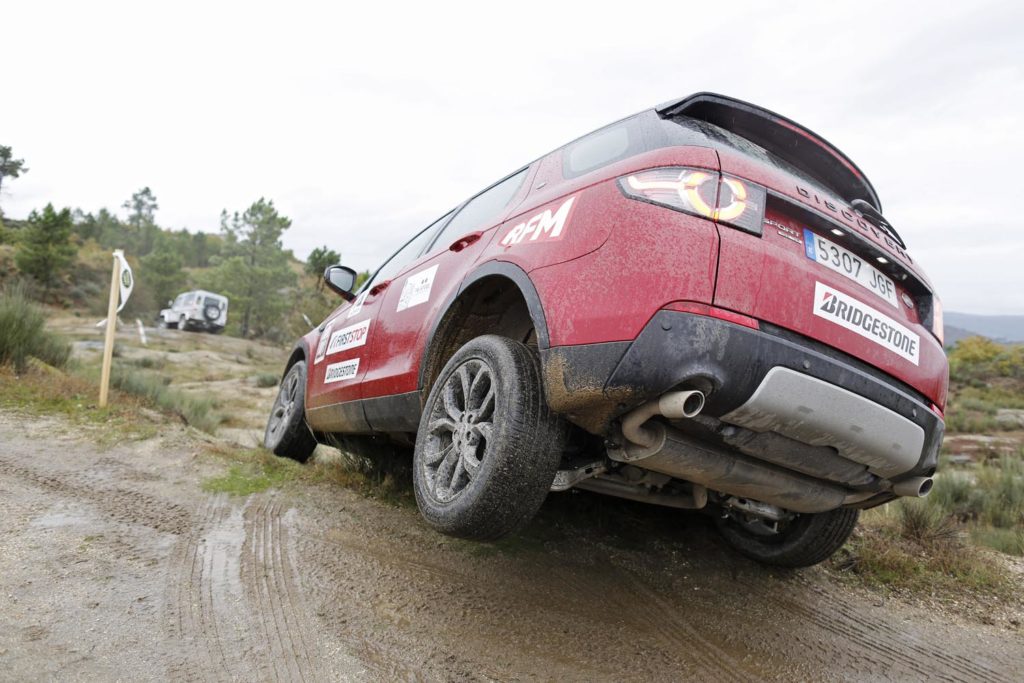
(127, 280)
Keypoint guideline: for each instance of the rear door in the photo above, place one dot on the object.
(414, 301)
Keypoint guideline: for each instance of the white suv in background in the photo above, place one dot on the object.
(196, 310)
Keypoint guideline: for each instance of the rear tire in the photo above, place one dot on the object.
(806, 540)
(487, 447)
(287, 434)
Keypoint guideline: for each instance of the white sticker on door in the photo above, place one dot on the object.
(348, 338)
(417, 288)
(339, 372)
(860, 318)
(321, 347)
(357, 305)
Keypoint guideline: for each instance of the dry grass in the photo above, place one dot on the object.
(913, 547)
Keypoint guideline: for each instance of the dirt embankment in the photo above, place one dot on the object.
(115, 564)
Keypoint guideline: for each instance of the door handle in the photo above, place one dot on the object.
(465, 241)
(377, 289)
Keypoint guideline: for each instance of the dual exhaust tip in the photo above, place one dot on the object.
(646, 439)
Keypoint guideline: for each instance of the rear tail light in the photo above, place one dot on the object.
(937, 324)
(722, 198)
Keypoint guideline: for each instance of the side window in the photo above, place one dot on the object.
(478, 213)
(603, 147)
(407, 254)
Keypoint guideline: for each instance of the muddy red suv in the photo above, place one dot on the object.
(700, 306)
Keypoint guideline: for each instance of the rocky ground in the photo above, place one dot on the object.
(117, 563)
(114, 563)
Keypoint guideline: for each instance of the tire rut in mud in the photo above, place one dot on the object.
(234, 600)
(269, 579)
(896, 651)
(119, 504)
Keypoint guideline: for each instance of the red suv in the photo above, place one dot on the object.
(700, 306)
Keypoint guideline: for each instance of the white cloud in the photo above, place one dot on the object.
(365, 122)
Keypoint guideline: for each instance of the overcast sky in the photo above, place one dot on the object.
(365, 121)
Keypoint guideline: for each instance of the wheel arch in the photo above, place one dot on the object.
(492, 285)
(299, 352)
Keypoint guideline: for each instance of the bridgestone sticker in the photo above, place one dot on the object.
(860, 318)
(545, 226)
(417, 288)
(339, 372)
(348, 338)
(321, 347)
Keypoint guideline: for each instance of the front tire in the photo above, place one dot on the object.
(803, 541)
(488, 446)
(287, 434)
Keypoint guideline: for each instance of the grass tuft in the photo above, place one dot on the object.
(259, 472)
(197, 411)
(920, 551)
(266, 379)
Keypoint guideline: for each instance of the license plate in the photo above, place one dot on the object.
(846, 263)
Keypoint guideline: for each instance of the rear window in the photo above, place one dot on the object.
(740, 144)
(212, 301)
(594, 151)
(602, 147)
(481, 211)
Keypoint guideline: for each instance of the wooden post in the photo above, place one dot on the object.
(108, 343)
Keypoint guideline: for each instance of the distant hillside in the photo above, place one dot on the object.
(953, 334)
(1006, 328)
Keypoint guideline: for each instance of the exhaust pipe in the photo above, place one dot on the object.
(674, 405)
(670, 451)
(728, 472)
(915, 487)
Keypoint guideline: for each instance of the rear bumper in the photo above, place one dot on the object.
(593, 384)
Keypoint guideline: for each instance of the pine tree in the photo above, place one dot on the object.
(253, 271)
(44, 250)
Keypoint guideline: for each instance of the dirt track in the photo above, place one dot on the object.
(115, 564)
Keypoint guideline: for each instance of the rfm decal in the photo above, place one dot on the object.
(547, 224)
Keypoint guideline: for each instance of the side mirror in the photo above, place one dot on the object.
(342, 280)
(170, 302)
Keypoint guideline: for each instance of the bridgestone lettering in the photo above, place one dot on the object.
(339, 372)
(855, 316)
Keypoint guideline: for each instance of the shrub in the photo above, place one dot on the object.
(924, 523)
(197, 411)
(23, 334)
(150, 362)
(266, 379)
(1002, 487)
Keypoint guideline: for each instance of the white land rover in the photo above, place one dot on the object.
(196, 310)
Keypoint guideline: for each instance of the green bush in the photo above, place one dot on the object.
(150, 362)
(23, 334)
(266, 379)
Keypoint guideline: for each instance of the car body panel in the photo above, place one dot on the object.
(602, 271)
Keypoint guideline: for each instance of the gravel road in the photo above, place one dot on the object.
(114, 564)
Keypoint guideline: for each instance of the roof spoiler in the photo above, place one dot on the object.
(782, 137)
